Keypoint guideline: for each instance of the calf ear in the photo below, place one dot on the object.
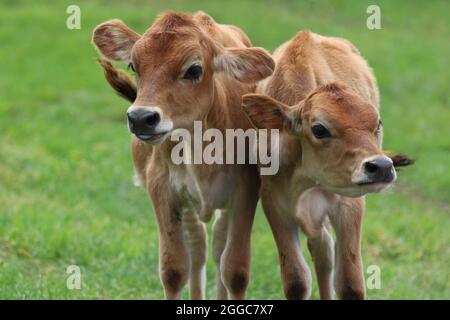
(114, 40)
(246, 64)
(264, 112)
(399, 160)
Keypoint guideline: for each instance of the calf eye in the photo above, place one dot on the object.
(193, 73)
(320, 132)
(130, 66)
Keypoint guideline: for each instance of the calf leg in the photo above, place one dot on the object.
(295, 274)
(235, 260)
(197, 240)
(347, 220)
(321, 248)
(218, 242)
(173, 252)
(173, 261)
(312, 209)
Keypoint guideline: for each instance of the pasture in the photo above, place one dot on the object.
(66, 192)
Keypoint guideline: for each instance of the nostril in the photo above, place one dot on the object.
(371, 167)
(131, 119)
(152, 119)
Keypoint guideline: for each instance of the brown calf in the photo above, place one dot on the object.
(330, 156)
(189, 68)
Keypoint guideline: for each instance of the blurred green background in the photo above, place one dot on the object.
(66, 195)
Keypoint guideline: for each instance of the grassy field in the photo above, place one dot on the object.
(66, 195)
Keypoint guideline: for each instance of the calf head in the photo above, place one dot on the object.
(340, 136)
(174, 62)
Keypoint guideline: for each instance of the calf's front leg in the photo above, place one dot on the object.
(174, 261)
(295, 274)
(197, 239)
(321, 248)
(235, 259)
(313, 206)
(347, 220)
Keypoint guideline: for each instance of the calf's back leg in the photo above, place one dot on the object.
(218, 243)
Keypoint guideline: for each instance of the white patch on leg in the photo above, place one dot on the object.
(137, 180)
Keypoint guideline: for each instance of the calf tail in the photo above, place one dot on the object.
(122, 84)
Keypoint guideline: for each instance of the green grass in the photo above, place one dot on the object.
(66, 195)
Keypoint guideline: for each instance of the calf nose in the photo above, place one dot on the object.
(142, 121)
(380, 169)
